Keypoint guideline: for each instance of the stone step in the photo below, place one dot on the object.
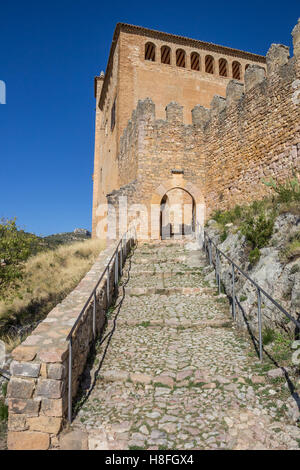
(176, 323)
(134, 273)
(185, 378)
(162, 280)
(147, 291)
(174, 307)
(144, 349)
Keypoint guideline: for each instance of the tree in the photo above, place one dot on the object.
(15, 248)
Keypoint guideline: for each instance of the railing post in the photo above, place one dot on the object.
(219, 274)
(259, 324)
(209, 252)
(121, 257)
(116, 268)
(216, 262)
(218, 279)
(233, 294)
(94, 316)
(70, 383)
(107, 287)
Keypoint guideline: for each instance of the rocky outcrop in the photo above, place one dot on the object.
(278, 278)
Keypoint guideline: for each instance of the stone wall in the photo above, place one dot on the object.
(254, 134)
(38, 389)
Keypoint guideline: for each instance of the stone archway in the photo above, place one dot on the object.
(180, 183)
(177, 214)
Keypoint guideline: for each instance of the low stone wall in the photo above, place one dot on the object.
(38, 389)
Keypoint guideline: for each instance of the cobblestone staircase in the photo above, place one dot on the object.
(176, 373)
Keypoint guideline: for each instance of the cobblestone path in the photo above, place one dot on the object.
(177, 375)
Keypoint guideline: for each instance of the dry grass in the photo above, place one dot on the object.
(292, 250)
(48, 278)
(292, 207)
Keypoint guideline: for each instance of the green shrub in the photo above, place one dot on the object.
(254, 255)
(223, 235)
(4, 389)
(268, 336)
(258, 229)
(15, 248)
(288, 191)
(227, 217)
(3, 411)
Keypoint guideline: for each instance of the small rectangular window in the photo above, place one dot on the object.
(113, 116)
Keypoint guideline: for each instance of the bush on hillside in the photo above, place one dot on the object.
(288, 191)
(15, 248)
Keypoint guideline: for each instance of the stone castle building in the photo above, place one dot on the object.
(188, 122)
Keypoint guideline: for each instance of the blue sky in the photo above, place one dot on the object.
(49, 55)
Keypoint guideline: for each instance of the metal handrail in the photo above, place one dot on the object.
(4, 373)
(118, 272)
(208, 243)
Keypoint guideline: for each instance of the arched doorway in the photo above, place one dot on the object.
(177, 214)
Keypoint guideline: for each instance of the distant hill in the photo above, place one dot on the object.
(50, 242)
(66, 237)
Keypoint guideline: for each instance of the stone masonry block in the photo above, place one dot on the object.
(145, 110)
(217, 105)
(296, 39)
(200, 115)
(28, 407)
(25, 369)
(53, 355)
(56, 371)
(174, 112)
(49, 388)
(234, 92)
(17, 422)
(277, 55)
(24, 353)
(45, 424)
(20, 388)
(28, 440)
(253, 76)
(52, 407)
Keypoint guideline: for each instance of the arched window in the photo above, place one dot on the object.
(223, 68)
(209, 64)
(195, 61)
(150, 51)
(180, 58)
(165, 54)
(236, 70)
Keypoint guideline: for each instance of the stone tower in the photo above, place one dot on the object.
(174, 113)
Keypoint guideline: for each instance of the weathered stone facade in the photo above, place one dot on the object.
(220, 154)
(249, 134)
(199, 72)
(222, 158)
